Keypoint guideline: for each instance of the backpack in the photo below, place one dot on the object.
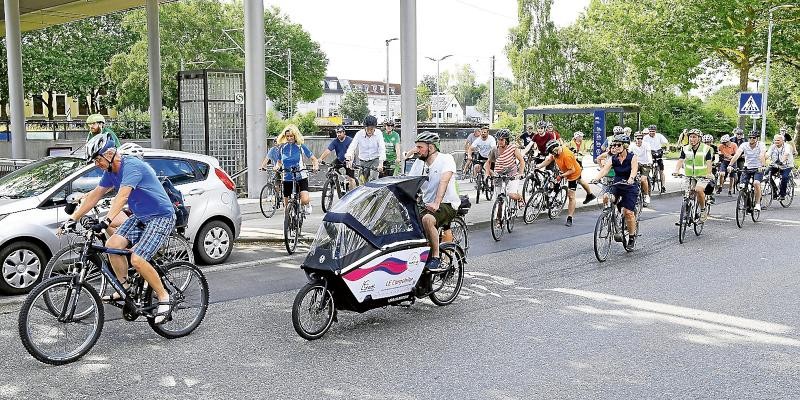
(176, 198)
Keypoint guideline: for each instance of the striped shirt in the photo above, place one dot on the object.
(504, 159)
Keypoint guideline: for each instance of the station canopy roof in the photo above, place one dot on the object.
(38, 14)
(584, 108)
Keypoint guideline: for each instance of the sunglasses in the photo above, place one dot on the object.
(616, 145)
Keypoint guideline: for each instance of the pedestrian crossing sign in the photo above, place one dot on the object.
(750, 103)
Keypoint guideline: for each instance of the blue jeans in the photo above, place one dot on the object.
(784, 173)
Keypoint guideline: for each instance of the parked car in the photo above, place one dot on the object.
(32, 201)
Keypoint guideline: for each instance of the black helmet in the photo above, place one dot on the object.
(551, 145)
(652, 128)
(388, 122)
(339, 128)
(541, 124)
(754, 134)
(503, 134)
(370, 120)
(624, 139)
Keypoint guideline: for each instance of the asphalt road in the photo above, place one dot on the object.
(539, 317)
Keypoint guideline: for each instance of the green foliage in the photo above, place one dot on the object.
(465, 88)
(423, 102)
(305, 122)
(275, 124)
(354, 105)
(510, 122)
(502, 97)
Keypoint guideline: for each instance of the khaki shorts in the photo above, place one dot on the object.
(444, 215)
(645, 169)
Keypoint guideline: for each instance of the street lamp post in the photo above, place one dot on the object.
(437, 79)
(766, 73)
(387, 74)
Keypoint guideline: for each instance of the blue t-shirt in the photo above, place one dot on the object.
(148, 199)
(292, 156)
(340, 147)
(274, 154)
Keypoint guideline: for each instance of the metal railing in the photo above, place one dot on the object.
(8, 165)
(62, 129)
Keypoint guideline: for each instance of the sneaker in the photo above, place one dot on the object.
(569, 221)
(307, 209)
(758, 207)
(719, 190)
(434, 264)
(730, 193)
(647, 199)
(704, 214)
(710, 200)
(631, 242)
(663, 190)
(589, 198)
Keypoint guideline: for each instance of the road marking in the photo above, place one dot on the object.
(272, 262)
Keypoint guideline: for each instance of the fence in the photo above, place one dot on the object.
(8, 165)
(74, 130)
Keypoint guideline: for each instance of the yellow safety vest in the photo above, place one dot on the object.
(695, 162)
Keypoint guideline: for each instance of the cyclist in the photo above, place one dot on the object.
(696, 160)
(370, 146)
(152, 221)
(526, 136)
(657, 141)
(551, 129)
(507, 158)
(683, 138)
(467, 144)
(754, 154)
(579, 147)
(727, 148)
(391, 140)
(708, 140)
(625, 166)
(787, 138)
(484, 145)
(293, 150)
(97, 125)
(570, 170)
(544, 134)
(643, 152)
(438, 193)
(617, 130)
(339, 146)
(738, 137)
(782, 161)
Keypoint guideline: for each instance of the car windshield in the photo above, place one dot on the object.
(36, 178)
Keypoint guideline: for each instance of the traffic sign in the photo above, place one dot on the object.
(750, 103)
(238, 98)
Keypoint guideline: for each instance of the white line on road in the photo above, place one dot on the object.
(271, 262)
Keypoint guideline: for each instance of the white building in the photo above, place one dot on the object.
(333, 90)
(445, 108)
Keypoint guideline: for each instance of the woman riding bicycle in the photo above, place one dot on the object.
(292, 151)
(626, 166)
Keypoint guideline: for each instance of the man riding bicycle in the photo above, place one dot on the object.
(370, 146)
(782, 160)
(657, 141)
(484, 145)
(146, 230)
(643, 152)
(438, 193)
(566, 162)
(727, 148)
(696, 160)
(625, 165)
(339, 145)
(754, 153)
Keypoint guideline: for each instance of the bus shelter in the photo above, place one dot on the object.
(599, 111)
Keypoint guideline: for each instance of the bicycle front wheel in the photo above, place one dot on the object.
(497, 219)
(767, 192)
(528, 188)
(741, 208)
(785, 203)
(60, 338)
(683, 222)
(188, 291)
(699, 224)
(291, 225)
(66, 262)
(268, 200)
(557, 202)
(534, 206)
(602, 236)
(313, 311)
(328, 194)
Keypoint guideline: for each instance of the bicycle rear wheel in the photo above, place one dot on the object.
(497, 219)
(683, 222)
(60, 338)
(268, 200)
(754, 214)
(767, 191)
(785, 203)
(460, 234)
(175, 248)
(188, 290)
(447, 285)
(741, 208)
(602, 236)
(534, 206)
(291, 222)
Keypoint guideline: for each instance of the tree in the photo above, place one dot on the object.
(465, 88)
(502, 97)
(191, 29)
(423, 102)
(429, 81)
(354, 105)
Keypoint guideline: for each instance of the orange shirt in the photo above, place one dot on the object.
(566, 161)
(728, 150)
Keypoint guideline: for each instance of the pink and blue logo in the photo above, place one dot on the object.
(391, 265)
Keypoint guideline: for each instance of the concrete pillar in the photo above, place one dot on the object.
(154, 75)
(255, 95)
(16, 96)
(408, 73)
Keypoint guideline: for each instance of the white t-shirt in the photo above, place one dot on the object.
(442, 163)
(368, 147)
(782, 154)
(484, 146)
(655, 142)
(752, 156)
(642, 152)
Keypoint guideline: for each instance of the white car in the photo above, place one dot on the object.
(32, 203)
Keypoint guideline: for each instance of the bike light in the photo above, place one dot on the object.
(225, 179)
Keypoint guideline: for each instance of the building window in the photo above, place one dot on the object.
(38, 105)
(333, 85)
(449, 115)
(320, 112)
(334, 112)
(61, 104)
(83, 106)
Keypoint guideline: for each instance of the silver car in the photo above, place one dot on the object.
(32, 203)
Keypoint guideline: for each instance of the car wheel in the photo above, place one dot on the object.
(21, 268)
(213, 243)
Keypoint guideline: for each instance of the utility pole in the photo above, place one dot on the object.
(439, 60)
(491, 95)
(291, 84)
(386, 87)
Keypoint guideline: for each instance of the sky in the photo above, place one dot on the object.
(353, 33)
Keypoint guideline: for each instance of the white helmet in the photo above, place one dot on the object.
(97, 145)
(708, 138)
(131, 149)
(627, 130)
(577, 135)
(725, 139)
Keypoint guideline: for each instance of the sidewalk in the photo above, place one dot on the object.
(256, 228)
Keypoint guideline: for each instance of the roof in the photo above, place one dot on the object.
(440, 102)
(472, 112)
(583, 108)
(369, 87)
(38, 14)
(331, 84)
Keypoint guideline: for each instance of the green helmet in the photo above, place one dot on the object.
(95, 118)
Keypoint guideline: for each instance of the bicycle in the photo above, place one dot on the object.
(482, 182)
(611, 224)
(534, 178)
(745, 202)
(503, 215)
(270, 200)
(771, 188)
(336, 184)
(654, 178)
(293, 216)
(364, 173)
(551, 194)
(690, 213)
(71, 300)
(458, 226)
